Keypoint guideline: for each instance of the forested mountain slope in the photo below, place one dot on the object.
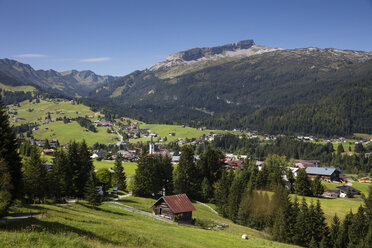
(309, 90)
(71, 83)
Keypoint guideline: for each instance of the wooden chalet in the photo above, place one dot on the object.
(175, 207)
(326, 173)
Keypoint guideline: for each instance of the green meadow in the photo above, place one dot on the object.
(73, 131)
(129, 167)
(79, 225)
(23, 88)
(180, 132)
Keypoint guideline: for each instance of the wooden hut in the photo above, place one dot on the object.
(175, 207)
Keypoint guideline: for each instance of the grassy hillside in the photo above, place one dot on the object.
(79, 225)
(24, 88)
(129, 167)
(73, 131)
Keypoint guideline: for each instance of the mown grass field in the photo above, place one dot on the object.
(180, 132)
(40, 110)
(129, 167)
(79, 225)
(73, 131)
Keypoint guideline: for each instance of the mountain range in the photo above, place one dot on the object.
(71, 83)
(238, 85)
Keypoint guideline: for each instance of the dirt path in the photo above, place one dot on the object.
(135, 210)
(205, 205)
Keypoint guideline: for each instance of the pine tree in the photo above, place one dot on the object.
(85, 167)
(335, 232)
(206, 190)
(346, 225)
(234, 198)
(59, 176)
(35, 176)
(222, 192)
(186, 175)
(210, 164)
(11, 167)
(359, 227)
(5, 187)
(118, 177)
(91, 193)
(313, 243)
(317, 187)
(340, 148)
(303, 184)
(302, 228)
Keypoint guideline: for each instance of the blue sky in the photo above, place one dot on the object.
(119, 36)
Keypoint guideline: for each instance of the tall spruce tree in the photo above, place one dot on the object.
(85, 167)
(358, 229)
(11, 166)
(118, 177)
(222, 192)
(303, 184)
(335, 232)
(90, 190)
(303, 228)
(210, 164)
(35, 176)
(317, 188)
(5, 187)
(59, 176)
(186, 175)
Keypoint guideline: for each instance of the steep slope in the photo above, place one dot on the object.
(232, 91)
(71, 83)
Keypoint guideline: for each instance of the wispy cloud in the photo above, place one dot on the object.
(30, 55)
(93, 60)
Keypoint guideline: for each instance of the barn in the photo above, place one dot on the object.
(175, 207)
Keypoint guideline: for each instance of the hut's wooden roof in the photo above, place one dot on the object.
(177, 203)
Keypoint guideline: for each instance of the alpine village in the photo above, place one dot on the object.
(218, 144)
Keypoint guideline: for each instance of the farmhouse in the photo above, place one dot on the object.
(326, 173)
(353, 191)
(48, 152)
(365, 180)
(306, 163)
(175, 207)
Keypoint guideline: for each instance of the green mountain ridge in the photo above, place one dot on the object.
(307, 90)
(71, 83)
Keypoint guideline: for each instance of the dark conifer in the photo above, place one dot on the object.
(303, 184)
(118, 177)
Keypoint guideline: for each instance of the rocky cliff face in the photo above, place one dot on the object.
(191, 56)
(197, 53)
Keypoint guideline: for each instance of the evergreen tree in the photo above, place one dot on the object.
(104, 178)
(46, 144)
(234, 198)
(313, 243)
(35, 176)
(11, 166)
(210, 164)
(91, 192)
(346, 225)
(340, 148)
(5, 187)
(317, 188)
(335, 232)
(348, 193)
(206, 190)
(359, 228)
(303, 184)
(59, 175)
(85, 167)
(118, 177)
(186, 175)
(222, 192)
(303, 230)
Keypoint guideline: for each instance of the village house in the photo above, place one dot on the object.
(48, 152)
(306, 163)
(365, 180)
(326, 173)
(334, 193)
(175, 207)
(344, 189)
